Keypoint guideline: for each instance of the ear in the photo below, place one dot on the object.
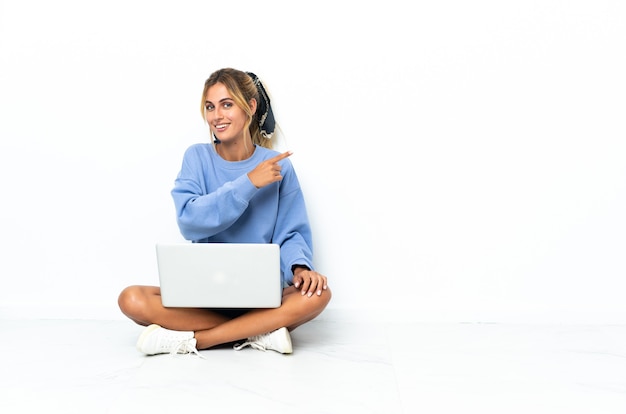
(253, 105)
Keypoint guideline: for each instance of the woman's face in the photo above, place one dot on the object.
(226, 120)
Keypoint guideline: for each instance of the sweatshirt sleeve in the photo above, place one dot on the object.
(293, 231)
(200, 213)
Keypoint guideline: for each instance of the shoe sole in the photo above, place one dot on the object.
(145, 334)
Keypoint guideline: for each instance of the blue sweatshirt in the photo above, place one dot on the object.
(217, 203)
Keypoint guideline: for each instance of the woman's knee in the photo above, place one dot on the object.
(131, 301)
(316, 304)
(326, 296)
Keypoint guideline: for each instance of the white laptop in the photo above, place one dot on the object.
(219, 275)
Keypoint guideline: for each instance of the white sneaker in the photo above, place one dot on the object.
(157, 340)
(279, 341)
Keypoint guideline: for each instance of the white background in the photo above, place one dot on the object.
(460, 160)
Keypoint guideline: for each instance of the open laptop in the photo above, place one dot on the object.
(219, 275)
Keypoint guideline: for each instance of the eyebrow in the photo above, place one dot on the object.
(221, 100)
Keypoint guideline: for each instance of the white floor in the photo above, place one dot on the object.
(338, 366)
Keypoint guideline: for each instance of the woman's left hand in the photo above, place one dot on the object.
(309, 281)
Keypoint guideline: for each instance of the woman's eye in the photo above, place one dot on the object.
(208, 107)
(227, 105)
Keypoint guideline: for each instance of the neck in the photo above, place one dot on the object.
(235, 151)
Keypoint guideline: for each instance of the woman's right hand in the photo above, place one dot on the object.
(268, 171)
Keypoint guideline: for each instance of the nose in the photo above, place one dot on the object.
(217, 113)
(213, 115)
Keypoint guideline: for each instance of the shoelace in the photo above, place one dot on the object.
(255, 342)
(187, 348)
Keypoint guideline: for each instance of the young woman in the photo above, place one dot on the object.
(236, 190)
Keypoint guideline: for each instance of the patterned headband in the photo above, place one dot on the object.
(264, 109)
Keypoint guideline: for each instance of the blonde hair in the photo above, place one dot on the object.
(242, 89)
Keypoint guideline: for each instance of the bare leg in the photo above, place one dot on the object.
(143, 305)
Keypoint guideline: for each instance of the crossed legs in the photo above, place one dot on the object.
(142, 304)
